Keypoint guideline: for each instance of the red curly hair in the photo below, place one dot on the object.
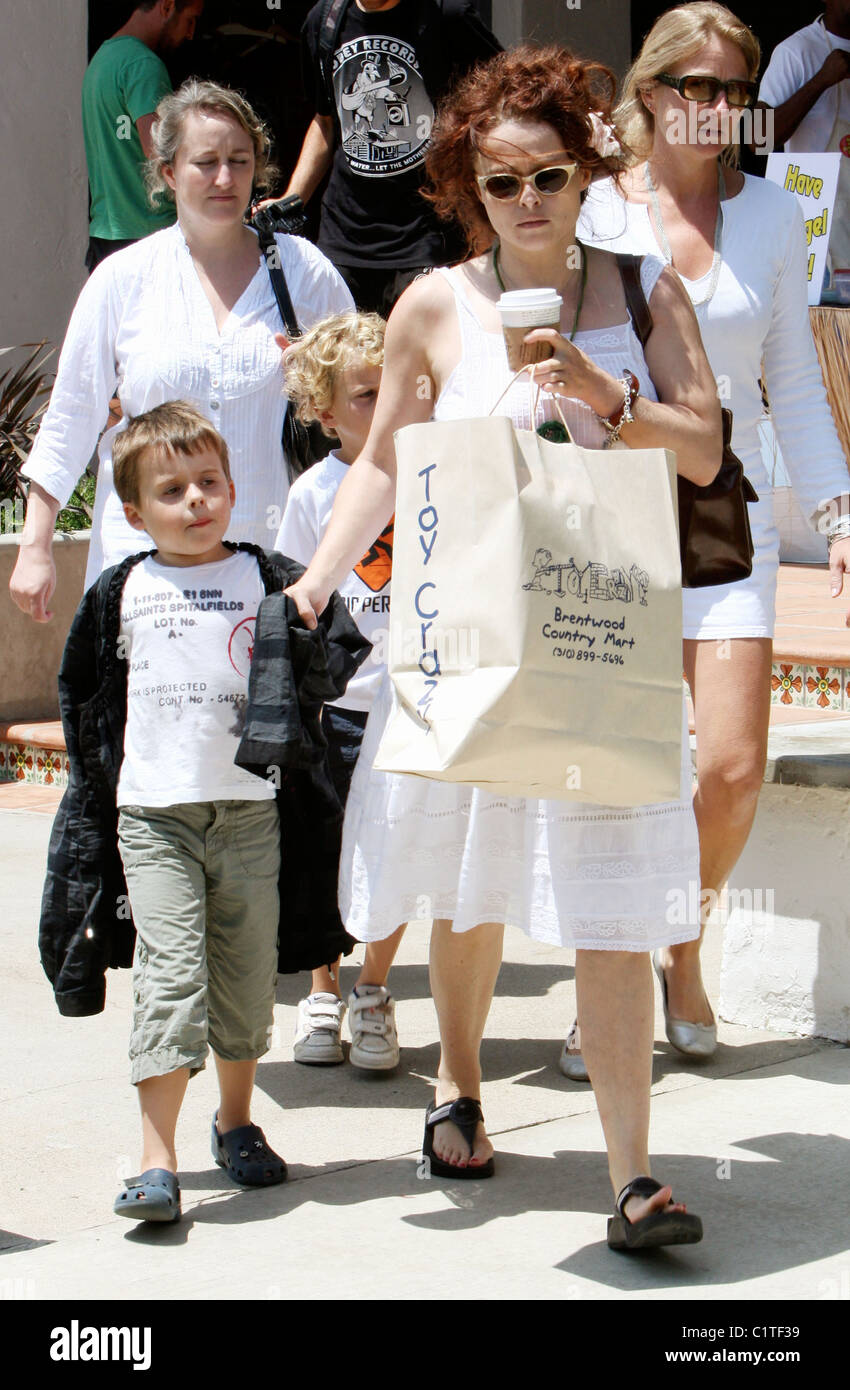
(534, 82)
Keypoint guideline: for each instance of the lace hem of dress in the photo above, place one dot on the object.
(583, 868)
(543, 815)
(546, 927)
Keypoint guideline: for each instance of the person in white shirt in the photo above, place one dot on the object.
(332, 375)
(187, 313)
(738, 245)
(807, 82)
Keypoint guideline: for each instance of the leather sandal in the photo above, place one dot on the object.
(466, 1114)
(658, 1228)
(245, 1155)
(153, 1196)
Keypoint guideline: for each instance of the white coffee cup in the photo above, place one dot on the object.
(522, 310)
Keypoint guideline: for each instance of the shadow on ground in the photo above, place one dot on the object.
(525, 1061)
(770, 1215)
(517, 980)
(10, 1241)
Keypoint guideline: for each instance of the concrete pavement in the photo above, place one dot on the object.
(757, 1141)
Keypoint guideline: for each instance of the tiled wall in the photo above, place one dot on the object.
(24, 762)
(811, 687)
(818, 688)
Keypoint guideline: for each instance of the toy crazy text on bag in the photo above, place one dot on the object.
(535, 641)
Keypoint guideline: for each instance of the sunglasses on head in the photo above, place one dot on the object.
(700, 87)
(507, 187)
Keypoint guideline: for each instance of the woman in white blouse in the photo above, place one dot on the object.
(739, 247)
(188, 313)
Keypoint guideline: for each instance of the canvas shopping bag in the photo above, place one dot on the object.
(535, 640)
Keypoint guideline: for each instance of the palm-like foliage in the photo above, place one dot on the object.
(24, 394)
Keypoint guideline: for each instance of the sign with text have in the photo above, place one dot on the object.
(814, 179)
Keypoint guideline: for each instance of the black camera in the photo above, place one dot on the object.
(283, 215)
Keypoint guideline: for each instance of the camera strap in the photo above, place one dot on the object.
(271, 255)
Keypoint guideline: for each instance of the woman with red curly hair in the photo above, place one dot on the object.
(514, 149)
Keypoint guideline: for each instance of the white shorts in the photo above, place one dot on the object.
(747, 608)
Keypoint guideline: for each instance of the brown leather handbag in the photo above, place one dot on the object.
(715, 541)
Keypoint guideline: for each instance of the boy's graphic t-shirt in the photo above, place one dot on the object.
(365, 591)
(187, 635)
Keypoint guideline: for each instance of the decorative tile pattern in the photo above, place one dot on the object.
(43, 767)
(787, 684)
(797, 684)
(823, 687)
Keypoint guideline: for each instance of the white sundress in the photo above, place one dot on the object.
(567, 873)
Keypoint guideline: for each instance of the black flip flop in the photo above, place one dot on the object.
(245, 1155)
(466, 1114)
(659, 1228)
(153, 1196)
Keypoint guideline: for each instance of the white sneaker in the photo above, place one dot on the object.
(317, 1031)
(371, 1018)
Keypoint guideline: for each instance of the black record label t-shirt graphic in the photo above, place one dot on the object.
(385, 113)
(380, 86)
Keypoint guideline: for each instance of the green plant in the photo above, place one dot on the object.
(24, 393)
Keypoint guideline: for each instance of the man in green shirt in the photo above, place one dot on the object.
(122, 86)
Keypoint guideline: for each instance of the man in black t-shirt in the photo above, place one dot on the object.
(377, 69)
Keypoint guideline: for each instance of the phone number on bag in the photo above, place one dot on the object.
(579, 654)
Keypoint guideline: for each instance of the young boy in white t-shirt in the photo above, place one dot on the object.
(332, 375)
(199, 837)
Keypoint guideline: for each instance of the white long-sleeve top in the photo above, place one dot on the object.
(758, 314)
(144, 328)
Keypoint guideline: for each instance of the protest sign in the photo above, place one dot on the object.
(814, 179)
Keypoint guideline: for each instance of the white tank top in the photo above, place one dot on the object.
(482, 373)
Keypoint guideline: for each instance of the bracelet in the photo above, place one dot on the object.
(623, 414)
(838, 531)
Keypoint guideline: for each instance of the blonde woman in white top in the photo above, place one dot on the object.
(185, 313)
(738, 245)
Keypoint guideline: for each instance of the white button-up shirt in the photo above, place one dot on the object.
(144, 328)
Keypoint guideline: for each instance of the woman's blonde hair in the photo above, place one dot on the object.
(674, 37)
(315, 362)
(167, 131)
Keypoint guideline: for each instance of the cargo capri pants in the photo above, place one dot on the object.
(202, 879)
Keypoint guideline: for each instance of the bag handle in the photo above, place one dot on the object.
(639, 311)
(531, 368)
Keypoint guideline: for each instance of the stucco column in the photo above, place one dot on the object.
(599, 29)
(42, 168)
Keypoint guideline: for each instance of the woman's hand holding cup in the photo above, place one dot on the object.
(567, 371)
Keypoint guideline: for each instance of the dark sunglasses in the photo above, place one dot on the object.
(697, 87)
(507, 187)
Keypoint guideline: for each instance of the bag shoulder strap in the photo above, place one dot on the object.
(330, 22)
(271, 255)
(641, 315)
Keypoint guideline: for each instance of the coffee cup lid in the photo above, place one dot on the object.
(520, 307)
